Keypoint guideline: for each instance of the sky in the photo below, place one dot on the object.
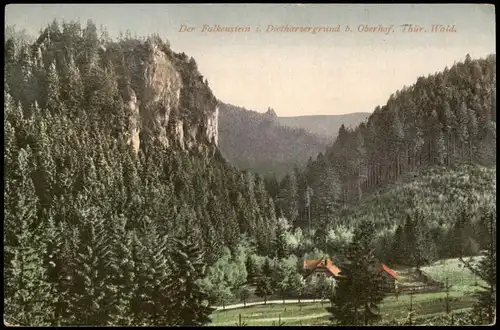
(296, 73)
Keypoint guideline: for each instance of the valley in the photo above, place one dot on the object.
(134, 195)
(273, 146)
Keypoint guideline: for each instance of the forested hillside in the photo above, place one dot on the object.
(257, 142)
(99, 229)
(445, 119)
(439, 214)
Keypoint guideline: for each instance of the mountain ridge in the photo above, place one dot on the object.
(269, 146)
(324, 125)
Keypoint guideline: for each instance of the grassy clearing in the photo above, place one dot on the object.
(424, 304)
(459, 277)
(315, 313)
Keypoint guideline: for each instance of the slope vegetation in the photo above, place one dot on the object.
(255, 141)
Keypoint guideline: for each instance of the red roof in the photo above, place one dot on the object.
(322, 263)
(332, 268)
(311, 264)
(389, 271)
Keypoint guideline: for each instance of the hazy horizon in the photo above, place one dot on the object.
(296, 74)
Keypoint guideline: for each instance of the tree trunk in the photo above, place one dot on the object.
(309, 216)
(360, 193)
(447, 150)
(454, 146)
(470, 151)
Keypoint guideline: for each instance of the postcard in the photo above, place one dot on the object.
(249, 164)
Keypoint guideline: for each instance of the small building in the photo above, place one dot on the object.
(324, 268)
(389, 277)
(320, 269)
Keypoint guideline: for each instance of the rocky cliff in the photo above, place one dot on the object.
(166, 96)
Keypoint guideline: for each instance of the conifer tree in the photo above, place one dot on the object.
(89, 301)
(26, 288)
(189, 302)
(359, 290)
(251, 268)
(123, 276)
(264, 287)
(280, 244)
(397, 247)
(484, 309)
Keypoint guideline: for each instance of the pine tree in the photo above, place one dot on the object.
(484, 310)
(472, 128)
(280, 244)
(62, 248)
(122, 269)
(72, 89)
(264, 287)
(27, 291)
(462, 131)
(459, 234)
(327, 192)
(359, 290)
(410, 238)
(91, 291)
(251, 267)
(398, 249)
(189, 301)
(150, 299)
(424, 250)
(53, 102)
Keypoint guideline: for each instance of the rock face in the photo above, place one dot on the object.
(167, 99)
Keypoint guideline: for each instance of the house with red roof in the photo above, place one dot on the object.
(320, 269)
(324, 268)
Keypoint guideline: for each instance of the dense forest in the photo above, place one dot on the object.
(94, 232)
(446, 119)
(97, 231)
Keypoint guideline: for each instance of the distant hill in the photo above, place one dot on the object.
(324, 125)
(255, 141)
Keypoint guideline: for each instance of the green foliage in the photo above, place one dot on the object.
(28, 297)
(447, 203)
(484, 310)
(227, 276)
(359, 290)
(190, 302)
(264, 287)
(89, 220)
(429, 130)
(280, 243)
